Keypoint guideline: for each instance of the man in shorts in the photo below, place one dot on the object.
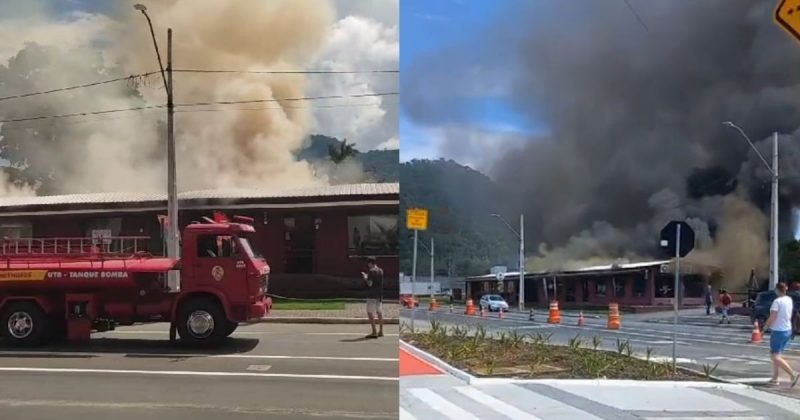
(374, 279)
(780, 324)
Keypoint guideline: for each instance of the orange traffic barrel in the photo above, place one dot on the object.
(470, 310)
(554, 317)
(613, 316)
(756, 336)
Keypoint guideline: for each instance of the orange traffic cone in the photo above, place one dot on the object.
(554, 317)
(756, 336)
(483, 312)
(580, 319)
(500, 313)
(613, 316)
(434, 305)
(470, 310)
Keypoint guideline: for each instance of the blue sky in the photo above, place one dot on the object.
(428, 27)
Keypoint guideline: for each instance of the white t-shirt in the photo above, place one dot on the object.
(783, 317)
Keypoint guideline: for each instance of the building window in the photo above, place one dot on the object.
(372, 235)
(693, 286)
(510, 286)
(619, 287)
(15, 229)
(639, 286)
(600, 287)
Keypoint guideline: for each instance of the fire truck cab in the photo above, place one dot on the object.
(70, 287)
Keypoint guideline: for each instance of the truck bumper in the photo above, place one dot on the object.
(259, 309)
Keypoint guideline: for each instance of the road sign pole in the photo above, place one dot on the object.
(675, 300)
(432, 268)
(521, 263)
(413, 279)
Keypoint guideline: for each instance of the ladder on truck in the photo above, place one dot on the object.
(99, 248)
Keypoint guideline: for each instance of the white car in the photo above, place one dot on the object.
(493, 303)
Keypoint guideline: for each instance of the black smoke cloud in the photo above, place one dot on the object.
(633, 117)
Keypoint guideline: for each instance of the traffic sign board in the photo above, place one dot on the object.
(417, 219)
(500, 276)
(669, 236)
(787, 15)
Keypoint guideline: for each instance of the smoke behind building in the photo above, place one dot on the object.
(632, 121)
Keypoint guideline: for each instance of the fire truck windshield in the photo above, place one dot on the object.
(244, 243)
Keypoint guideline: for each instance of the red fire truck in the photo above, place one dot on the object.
(69, 287)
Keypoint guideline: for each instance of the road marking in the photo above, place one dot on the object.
(438, 403)
(242, 333)
(238, 410)
(664, 359)
(663, 342)
(262, 368)
(405, 415)
(748, 360)
(197, 373)
(703, 418)
(748, 380)
(495, 404)
(198, 355)
(347, 333)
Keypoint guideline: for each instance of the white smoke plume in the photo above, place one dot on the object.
(244, 146)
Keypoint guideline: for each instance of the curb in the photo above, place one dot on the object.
(473, 380)
(323, 320)
(439, 363)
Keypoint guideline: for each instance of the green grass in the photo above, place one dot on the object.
(307, 305)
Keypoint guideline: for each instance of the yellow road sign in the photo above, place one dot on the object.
(788, 17)
(417, 219)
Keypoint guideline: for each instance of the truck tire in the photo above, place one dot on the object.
(202, 322)
(230, 327)
(24, 324)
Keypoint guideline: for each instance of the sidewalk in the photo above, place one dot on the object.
(456, 396)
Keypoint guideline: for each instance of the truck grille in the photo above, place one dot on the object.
(265, 282)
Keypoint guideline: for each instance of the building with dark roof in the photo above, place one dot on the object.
(648, 284)
(314, 239)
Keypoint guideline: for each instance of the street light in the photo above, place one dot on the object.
(521, 236)
(773, 170)
(173, 233)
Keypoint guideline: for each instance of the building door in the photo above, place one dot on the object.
(299, 238)
(585, 290)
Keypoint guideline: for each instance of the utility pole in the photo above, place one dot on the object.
(173, 244)
(773, 226)
(521, 236)
(773, 256)
(521, 262)
(173, 230)
(414, 279)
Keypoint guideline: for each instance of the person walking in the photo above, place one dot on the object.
(725, 303)
(709, 300)
(780, 325)
(374, 279)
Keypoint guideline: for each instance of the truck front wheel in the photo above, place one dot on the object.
(202, 322)
(25, 324)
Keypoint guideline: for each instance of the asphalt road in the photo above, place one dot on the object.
(263, 371)
(727, 346)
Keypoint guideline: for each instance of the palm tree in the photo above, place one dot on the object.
(342, 152)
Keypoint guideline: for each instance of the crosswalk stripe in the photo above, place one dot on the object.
(405, 415)
(438, 403)
(495, 404)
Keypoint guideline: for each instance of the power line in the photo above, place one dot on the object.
(286, 71)
(140, 108)
(86, 85)
(308, 98)
(100, 120)
(639, 18)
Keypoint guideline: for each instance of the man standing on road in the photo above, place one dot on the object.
(780, 324)
(709, 300)
(725, 303)
(374, 279)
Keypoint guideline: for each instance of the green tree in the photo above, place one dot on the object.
(341, 152)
